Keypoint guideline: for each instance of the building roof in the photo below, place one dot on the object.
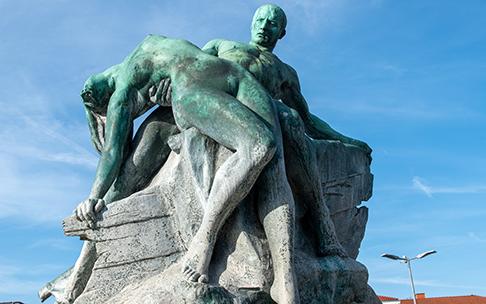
(449, 300)
(385, 298)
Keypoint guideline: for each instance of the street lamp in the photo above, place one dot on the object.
(407, 261)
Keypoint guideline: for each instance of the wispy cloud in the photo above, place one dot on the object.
(393, 69)
(47, 195)
(317, 14)
(63, 244)
(476, 238)
(18, 280)
(78, 154)
(401, 110)
(42, 162)
(32, 127)
(420, 185)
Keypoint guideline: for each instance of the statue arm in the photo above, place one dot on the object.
(314, 126)
(321, 127)
(118, 128)
(212, 47)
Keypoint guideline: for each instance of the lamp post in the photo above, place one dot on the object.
(407, 261)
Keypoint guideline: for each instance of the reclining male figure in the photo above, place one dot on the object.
(223, 102)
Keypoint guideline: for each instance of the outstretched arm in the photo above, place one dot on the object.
(314, 126)
(319, 126)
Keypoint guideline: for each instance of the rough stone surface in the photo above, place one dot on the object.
(140, 240)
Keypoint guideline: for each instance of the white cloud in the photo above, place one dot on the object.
(42, 164)
(45, 196)
(30, 128)
(63, 244)
(401, 110)
(78, 155)
(476, 238)
(393, 69)
(23, 280)
(419, 184)
(317, 14)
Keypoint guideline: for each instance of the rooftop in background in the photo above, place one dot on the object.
(448, 300)
(422, 299)
(385, 298)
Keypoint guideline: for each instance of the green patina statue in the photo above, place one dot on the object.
(226, 103)
(218, 98)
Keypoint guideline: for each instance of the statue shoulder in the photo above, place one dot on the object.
(285, 70)
(290, 75)
(152, 39)
(212, 46)
(220, 46)
(232, 44)
(149, 44)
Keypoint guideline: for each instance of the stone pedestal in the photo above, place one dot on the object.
(140, 240)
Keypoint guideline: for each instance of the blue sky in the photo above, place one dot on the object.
(408, 77)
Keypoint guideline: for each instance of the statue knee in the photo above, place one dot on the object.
(292, 126)
(289, 117)
(264, 148)
(294, 119)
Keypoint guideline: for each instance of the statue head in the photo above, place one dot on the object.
(96, 92)
(268, 26)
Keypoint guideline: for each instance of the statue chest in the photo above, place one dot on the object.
(268, 71)
(265, 66)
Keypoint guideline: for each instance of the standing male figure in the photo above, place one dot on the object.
(281, 81)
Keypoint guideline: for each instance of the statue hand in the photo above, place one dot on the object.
(363, 146)
(87, 210)
(161, 94)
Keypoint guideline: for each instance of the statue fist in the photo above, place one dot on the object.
(87, 210)
(361, 144)
(162, 93)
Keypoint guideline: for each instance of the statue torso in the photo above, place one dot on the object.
(266, 67)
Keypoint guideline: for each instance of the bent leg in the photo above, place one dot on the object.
(149, 153)
(233, 125)
(304, 175)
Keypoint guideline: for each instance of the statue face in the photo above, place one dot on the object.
(267, 26)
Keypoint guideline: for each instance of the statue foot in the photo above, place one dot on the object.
(332, 250)
(194, 276)
(196, 261)
(283, 291)
(57, 288)
(44, 293)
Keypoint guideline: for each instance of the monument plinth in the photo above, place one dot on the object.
(141, 240)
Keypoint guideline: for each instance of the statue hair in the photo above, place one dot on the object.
(276, 9)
